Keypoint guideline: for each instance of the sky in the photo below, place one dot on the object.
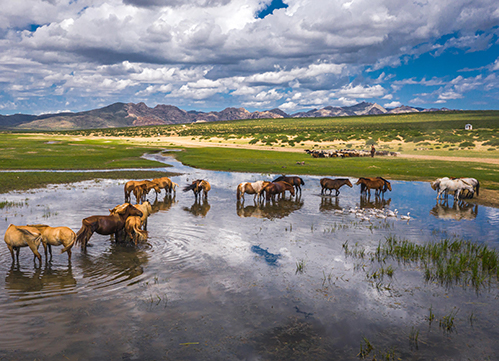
(207, 55)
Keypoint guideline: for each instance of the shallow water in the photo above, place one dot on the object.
(224, 280)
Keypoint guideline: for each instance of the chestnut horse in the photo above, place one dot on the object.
(198, 186)
(330, 184)
(105, 225)
(56, 236)
(140, 189)
(145, 208)
(297, 182)
(166, 184)
(380, 185)
(132, 229)
(255, 188)
(279, 188)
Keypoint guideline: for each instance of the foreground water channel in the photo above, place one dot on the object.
(224, 280)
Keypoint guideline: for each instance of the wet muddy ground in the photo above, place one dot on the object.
(222, 280)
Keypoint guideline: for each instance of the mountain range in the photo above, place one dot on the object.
(130, 114)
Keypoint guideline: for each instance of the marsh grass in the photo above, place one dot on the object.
(300, 266)
(368, 350)
(9, 204)
(446, 262)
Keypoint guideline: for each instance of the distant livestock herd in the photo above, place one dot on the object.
(347, 153)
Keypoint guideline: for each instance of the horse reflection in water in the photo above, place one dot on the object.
(199, 208)
(118, 262)
(378, 203)
(19, 282)
(271, 210)
(329, 204)
(164, 205)
(459, 211)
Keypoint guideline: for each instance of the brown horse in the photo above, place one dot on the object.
(255, 188)
(140, 189)
(198, 186)
(279, 188)
(145, 208)
(297, 182)
(166, 184)
(105, 225)
(23, 236)
(56, 236)
(380, 185)
(330, 184)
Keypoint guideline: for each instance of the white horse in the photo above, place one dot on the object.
(255, 188)
(456, 186)
(474, 183)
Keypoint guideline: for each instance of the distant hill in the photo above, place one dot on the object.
(130, 114)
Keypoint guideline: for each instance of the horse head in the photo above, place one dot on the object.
(130, 210)
(348, 183)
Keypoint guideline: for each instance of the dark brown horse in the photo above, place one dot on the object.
(279, 188)
(197, 187)
(380, 185)
(105, 225)
(295, 181)
(330, 184)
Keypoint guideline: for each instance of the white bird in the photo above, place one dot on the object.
(406, 218)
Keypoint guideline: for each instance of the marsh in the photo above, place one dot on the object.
(218, 279)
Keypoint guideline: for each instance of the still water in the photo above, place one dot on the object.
(222, 280)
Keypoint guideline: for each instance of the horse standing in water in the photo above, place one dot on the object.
(23, 236)
(105, 225)
(166, 183)
(198, 186)
(295, 181)
(255, 188)
(380, 185)
(330, 184)
(445, 185)
(56, 236)
(278, 188)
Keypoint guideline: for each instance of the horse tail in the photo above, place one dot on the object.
(83, 234)
(190, 187)
(141, 236)
(238, 193)
(70, 245)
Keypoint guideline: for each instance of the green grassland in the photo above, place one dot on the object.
(430, 130)
(37, 152)
(259, 161)
(438, 133)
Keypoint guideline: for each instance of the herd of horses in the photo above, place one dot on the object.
(127, 221)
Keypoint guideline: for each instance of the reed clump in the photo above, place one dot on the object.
(446, 262)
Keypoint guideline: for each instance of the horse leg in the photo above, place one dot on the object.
(45, 249)
(337, 192)
(11, 249)
(33, 247)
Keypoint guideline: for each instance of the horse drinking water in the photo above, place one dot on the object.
(105, 225)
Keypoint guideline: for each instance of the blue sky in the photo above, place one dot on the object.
(75, 55)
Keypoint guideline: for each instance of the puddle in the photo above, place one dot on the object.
(218, 279)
